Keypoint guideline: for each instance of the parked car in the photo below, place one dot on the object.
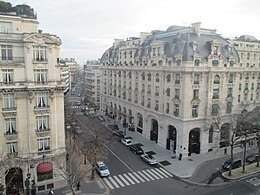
(252, 158)
(101, 118)
(149, 159)
(136, 149)
(119, 133)
(236, 164)
(114, 127)
(102, 169)
(78, 103)
(126, 141)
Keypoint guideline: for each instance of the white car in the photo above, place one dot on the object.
(102, 169)
(149, 159)
(126, 141)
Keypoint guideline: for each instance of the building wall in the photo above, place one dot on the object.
(194, 58)
(25, 87)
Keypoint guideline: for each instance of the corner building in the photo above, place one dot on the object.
(32, 104)
(170, 84)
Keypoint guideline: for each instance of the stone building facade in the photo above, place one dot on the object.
(32, 104)
(170, 85)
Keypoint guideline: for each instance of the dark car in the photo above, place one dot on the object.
(101, 118)
(119, 133)
(136, 149)
(252, 158)
(236, 164)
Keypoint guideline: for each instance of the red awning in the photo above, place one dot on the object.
(44, 167)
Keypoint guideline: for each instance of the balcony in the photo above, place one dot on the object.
(11, 135)
(13, 61)
(9, 111)
(43, 132)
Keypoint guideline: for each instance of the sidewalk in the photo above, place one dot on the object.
(181, 168)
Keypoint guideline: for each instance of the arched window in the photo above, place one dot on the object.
(216, 79)
(143, 76)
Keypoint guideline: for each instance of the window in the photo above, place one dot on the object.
(11, 147)
(149, 77)
(196, 78)
(216, 79)
(42, 123)
(239, 98)
(231, 78)
(10, 126)
(43, 144)
(215, 51)
(252, 86)
(258, 85)
(168, 92)
(157, 90)
(149, 89)
(156, 105)
(252, 97)
(230, 92)
(177, 93)
(177, 110)
(157, 77)
(40, 53)
(257, 96)
(215, 94)
(168, 78)
(239, 86)
(177, 79)
(158, 51)
(167, 108)
(195, 94)
(229, 107)
(7, 52)
(195, 111)
(143, 76)
(40, 76)
(246, 86)
(149, 103)
(42, 100)
(8, 76)
(248, 56)
(215, 108)
(196, 62)
(9, 101)
(211, 134)
(215, 62)
(241, 76)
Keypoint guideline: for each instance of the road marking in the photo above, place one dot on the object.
(140, 178)
(118, 181)
(162, 169)
(108, 183)
(153, 170)
(126, 182)
(162, 173)
(152, 174)
(113, 182)
(141, 174)
(150, 177)
(133, 177)
(128, 178)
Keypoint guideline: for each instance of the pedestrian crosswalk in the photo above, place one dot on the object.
(75, 107)
(137, 177)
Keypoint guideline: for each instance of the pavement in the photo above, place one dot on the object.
(182, 169)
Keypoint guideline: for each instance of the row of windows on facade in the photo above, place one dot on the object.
(41, 100)
(196, 77)
(43, 145)
(156, 51)
(248, 56)
(39, 53)
(40, 76)
(42, 125)
(215, 109)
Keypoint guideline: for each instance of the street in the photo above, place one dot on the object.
(128, 173)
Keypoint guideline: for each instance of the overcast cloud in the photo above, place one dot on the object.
(88, 27)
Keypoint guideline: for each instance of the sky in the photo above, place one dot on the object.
(88, 27)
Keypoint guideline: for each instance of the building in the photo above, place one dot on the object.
(171, 84)
(92, 82)
(32, 136)
(73, 67)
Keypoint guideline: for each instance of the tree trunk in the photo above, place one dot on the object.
(231, 159)
(244, 156)
(72, 190)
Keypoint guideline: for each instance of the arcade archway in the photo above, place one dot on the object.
(154, 130)
(194, 141)
(171, 139)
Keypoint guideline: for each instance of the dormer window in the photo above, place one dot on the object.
(215, 51)
(178, 62)
(196, 62)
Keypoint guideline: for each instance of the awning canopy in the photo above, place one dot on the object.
(44, 167)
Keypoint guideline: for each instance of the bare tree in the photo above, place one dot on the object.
(94, 147)
(72, 168)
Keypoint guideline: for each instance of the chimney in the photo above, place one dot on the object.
(143, 36)
(196, 27)
(117, 41)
